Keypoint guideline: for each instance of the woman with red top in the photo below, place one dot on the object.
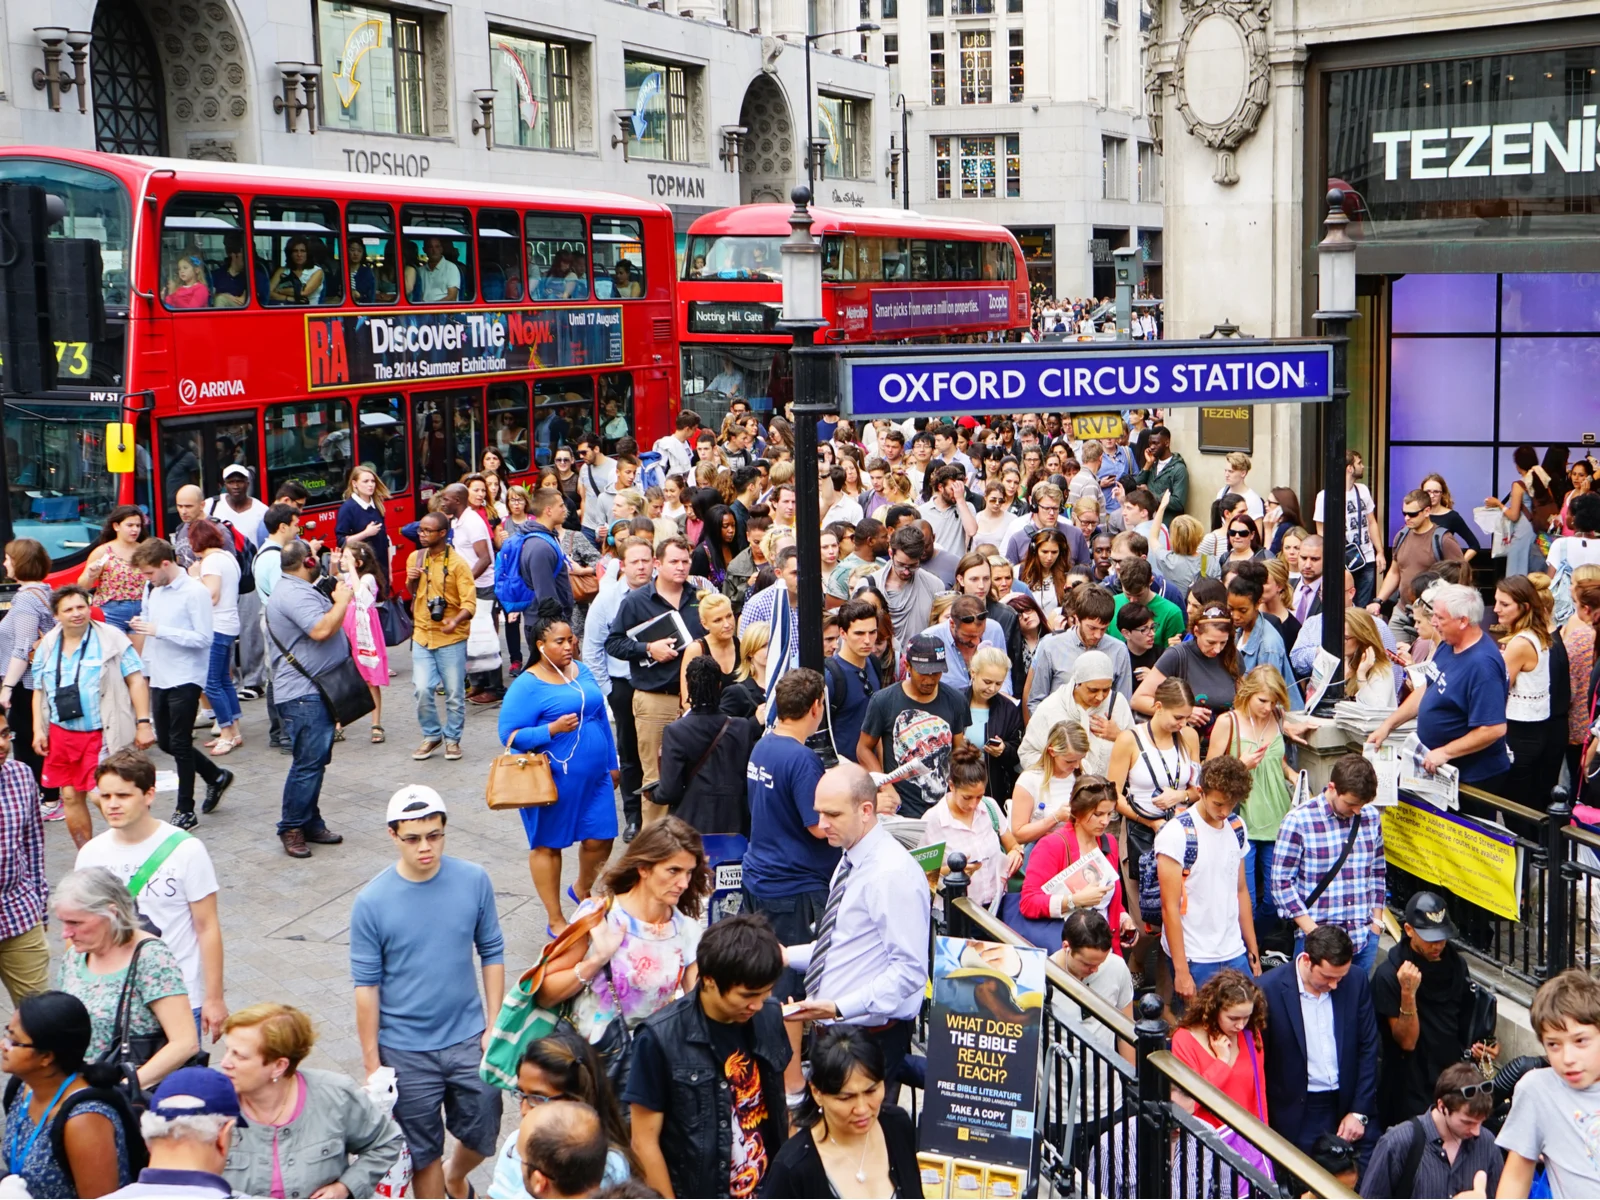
(1219, 1036)
(1093, 805)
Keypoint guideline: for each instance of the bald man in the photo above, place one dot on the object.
(869, 963)
(191, 503)
(563, 1148)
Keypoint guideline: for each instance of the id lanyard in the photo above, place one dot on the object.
(17, 1164)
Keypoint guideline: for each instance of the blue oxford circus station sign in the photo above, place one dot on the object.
(916, 381)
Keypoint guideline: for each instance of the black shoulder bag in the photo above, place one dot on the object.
(344, 693)
(1338, 863)
(129, 1051)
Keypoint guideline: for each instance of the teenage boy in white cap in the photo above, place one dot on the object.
(413, 931)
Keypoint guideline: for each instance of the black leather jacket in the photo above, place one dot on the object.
(696, 1135)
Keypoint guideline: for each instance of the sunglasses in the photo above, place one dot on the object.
(1410, 515)
(1244, 533)
(976, 619)
(1469, 1090)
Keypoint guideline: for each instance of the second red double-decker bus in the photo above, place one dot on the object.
(302, 322)
(888, 276)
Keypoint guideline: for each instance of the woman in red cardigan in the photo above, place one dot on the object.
(1093, 805)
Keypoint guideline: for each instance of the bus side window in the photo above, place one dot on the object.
(508, 425)
(921, 260)
(618, 259)
(894, 258)
(558, 256)
(967, 261)
(499, 255)
(297, 248)
(616, 409)
(381, 438)
(309, 443)
(204, 259)
(563, 411)
(369, 229)
(437, 253)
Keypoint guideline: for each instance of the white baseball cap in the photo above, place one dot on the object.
(413, 802)
(233, 469)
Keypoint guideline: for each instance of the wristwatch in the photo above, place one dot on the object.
(143, 721)
(1362, 1117)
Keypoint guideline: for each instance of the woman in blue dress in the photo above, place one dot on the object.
(556, 707)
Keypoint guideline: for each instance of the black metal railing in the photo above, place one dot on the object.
(1110, 1124)
(1580, 884)
(1536, 944)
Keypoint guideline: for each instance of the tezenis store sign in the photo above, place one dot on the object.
(1503, 145)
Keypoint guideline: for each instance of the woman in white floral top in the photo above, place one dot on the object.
(641, 955)
(101, 928)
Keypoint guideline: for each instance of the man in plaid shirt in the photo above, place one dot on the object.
(1310, 841)
(24, 889)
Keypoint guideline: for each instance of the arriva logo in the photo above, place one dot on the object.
(189, 391)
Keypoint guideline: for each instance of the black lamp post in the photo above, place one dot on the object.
(811, 154)
(802, 319)
(1336, 308)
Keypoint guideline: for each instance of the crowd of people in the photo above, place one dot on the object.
(1039, 650)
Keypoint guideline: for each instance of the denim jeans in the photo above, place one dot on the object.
(1258, 878)
(430, 668)
(1365, 958)
(310, 732)
(119, 612)
(275, 734)
(219, 679)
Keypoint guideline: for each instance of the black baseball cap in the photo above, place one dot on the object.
(1425, 913)
(926, 653)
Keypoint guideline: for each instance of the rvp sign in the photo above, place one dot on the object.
(1106, 426)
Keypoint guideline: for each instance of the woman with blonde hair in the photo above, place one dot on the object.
(746, 696)
(1536, 669)
(1180, 566)
(1252, 731)
(1442, 510)
(720, 642)
(1367, 670)
(1042, 799)
(897, 487)
(306, 1131)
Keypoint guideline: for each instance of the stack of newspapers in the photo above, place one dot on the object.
(1360, 720)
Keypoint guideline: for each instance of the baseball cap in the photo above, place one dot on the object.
(926, 654)
(232, 469)
(1425, 913)
(413, 802)
(196, 1092)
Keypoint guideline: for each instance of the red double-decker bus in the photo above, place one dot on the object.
(303, 322)
(888, 275)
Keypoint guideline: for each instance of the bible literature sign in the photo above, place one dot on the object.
(982, 1095)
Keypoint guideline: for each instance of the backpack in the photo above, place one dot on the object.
(1438, 542)
(511, 591)
(132, 1139)
(1149, 879)
(651, 471)
(244, 553)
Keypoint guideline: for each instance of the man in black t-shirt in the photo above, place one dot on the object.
(920, 722)
(1137, 625)
(722, 1044)
(1423, 998)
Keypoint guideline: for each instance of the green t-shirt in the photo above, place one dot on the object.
(1169, 620)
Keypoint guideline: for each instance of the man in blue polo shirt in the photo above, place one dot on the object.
(852, 676)
(1461, 714)
(789, 864)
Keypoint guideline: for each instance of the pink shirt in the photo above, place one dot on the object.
(299, 1107)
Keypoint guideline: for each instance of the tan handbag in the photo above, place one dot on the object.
(520, 779)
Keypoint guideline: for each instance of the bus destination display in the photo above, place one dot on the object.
(380, 348)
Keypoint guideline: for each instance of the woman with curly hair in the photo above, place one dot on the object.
(1220, 1037)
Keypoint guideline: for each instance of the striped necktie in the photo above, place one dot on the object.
(830, 918)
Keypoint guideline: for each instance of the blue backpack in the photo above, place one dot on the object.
(652, 471)
(1150, 880)
(511, 591)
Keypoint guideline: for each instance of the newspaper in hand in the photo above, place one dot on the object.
(1093, 870)
(910, 769)
(1442, 788)
(1385, 760)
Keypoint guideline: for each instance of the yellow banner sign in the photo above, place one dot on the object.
(1106, 425)
(1460, 855)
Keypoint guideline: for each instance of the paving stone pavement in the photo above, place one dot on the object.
(285, 921)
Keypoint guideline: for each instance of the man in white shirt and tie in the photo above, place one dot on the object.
(869, 964)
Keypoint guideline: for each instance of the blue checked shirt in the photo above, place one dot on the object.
(762, 607)
(24, 887)
(1309, 842)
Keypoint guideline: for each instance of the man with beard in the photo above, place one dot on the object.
(920, 721)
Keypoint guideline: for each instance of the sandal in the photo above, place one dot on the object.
(226, 746)
(377, 735)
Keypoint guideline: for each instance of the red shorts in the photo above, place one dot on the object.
(71, 759)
